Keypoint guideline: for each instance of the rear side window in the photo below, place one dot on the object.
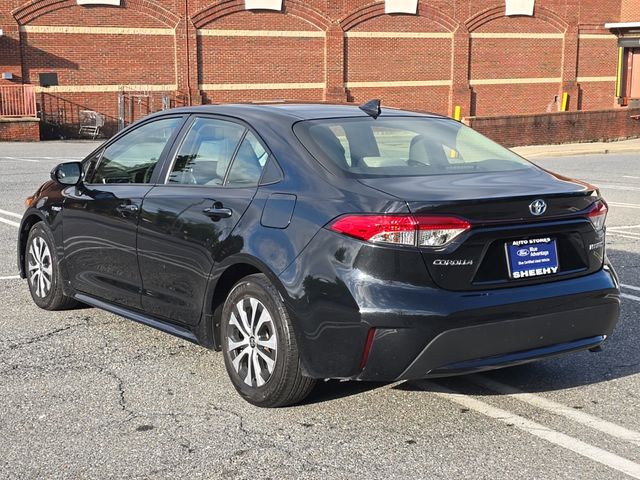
(133, 157)
(206, 152)
(248, 164)
(403, 146)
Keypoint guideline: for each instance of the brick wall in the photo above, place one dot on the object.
(19, 130)
(464, 53)
(559, 127)
(629, 11)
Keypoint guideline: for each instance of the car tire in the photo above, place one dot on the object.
(259, 345)
(43, 272)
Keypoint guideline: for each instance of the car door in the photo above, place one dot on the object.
(186, 223)
(101, 215)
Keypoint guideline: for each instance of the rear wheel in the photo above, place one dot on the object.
(259, 347)
(43, 272)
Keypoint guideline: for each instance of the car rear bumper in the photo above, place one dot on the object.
(489, 345)
(498, 336)
(421, 330)
(517, 358)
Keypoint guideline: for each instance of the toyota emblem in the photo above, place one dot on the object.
(538, 207)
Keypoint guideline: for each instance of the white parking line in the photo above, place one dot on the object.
(34, 158)
(10, 277)
(630, 297)
(630, 287)
(622, 230)
(625, 232)
(9, 222)
(578, 416)
(623, 227)
(54, 158)
(616, 234)
(11, 214)
(13, 159)
(620, 187)
(629, 176)
(584, 449)
(623, 205)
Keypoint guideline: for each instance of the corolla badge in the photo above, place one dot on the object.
(538, 207)
(453, 263)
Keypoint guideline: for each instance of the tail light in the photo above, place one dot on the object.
(598, 215)
(408, 230)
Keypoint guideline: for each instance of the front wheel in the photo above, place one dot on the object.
(43, 272)
(259, 347)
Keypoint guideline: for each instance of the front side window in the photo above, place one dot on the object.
(89, 165)
(206, 152)
(132, 158)
(403, 146)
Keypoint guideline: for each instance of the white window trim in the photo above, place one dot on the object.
(113, 3)
(263, 5)
(519, 7)
(401, 6)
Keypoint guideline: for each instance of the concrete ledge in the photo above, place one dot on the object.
(559, 127)
(18, 119)
(19, 129)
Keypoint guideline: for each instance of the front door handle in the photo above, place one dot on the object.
(218, 212)
(128, 208)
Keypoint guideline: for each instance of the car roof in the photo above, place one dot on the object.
(293, 111)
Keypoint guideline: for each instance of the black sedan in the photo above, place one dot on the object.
(322, 241)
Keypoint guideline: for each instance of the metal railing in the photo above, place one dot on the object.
(17, 101)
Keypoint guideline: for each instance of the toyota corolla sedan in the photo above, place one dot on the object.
(325, 241)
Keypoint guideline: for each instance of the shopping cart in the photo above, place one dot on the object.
(90, 123)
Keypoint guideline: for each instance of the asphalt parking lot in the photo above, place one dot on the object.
(85, 393)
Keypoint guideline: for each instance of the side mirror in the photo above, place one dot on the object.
(69, 173)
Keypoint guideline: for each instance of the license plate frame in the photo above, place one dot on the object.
(532, 258)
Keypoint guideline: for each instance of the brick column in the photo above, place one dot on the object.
(186, 62)
(460, 92)
(334, 64)
(570, 68)
(11, 45)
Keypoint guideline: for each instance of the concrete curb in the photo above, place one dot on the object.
(600, 148)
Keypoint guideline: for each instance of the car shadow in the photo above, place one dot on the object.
(619, 358)
(326, 391)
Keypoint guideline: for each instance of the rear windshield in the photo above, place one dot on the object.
(403, 146)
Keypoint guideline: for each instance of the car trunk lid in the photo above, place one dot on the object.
(499, 207)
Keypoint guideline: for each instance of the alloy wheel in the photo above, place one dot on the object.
(252, 342)
(40, 268)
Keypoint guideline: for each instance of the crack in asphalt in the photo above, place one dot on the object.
(43, 336)
(86, 321)
(248, 439)
(121, 390)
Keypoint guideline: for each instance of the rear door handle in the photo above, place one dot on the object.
(218, 212)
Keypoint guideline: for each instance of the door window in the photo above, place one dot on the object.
(89, 165)
(206, 152)
(132, 158)
(248, 164)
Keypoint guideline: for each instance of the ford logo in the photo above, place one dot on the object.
(538, 207)
(523, 252)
